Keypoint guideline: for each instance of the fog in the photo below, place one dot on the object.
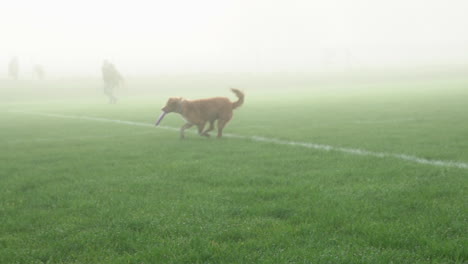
(212, 36)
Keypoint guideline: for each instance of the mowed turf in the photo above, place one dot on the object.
(83, 191)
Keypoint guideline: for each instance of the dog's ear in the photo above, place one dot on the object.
(175, 99)
(172, 100)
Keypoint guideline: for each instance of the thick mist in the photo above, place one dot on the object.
(207, 36)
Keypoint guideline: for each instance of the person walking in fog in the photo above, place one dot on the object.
(13, 68)
(112, 78)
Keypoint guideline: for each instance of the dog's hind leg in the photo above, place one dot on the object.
(210, 128)
(221, 124)
(182, 129)
(200, 128)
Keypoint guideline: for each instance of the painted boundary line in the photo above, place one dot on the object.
(353, 151)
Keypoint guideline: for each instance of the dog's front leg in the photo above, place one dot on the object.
(187, 125)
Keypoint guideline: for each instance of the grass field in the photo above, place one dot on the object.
(89, 191)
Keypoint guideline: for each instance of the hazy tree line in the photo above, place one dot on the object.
(14, 70)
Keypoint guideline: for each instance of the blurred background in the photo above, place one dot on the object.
(72, 38)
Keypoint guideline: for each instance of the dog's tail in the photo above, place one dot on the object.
(239, 95)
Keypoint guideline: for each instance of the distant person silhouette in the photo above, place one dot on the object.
(13, 68)
(39, 71)
(112, 78)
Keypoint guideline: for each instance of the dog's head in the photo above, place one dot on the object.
(172, 105)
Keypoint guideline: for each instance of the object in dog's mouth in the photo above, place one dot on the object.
(160, 118)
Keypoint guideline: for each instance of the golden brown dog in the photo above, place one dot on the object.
(199, 112)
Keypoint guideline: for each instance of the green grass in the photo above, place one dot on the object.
(79, 191)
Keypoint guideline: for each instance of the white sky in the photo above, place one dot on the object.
(224, 36)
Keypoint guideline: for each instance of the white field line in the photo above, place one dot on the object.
(353, 151)
(384, 121)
